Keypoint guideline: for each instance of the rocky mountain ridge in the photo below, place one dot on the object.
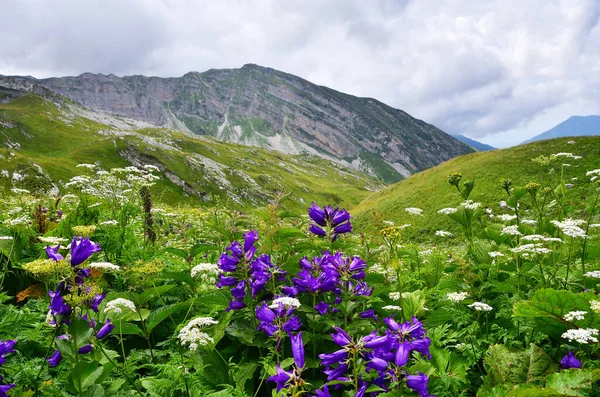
(264, 107)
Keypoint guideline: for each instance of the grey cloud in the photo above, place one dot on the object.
(473, 67)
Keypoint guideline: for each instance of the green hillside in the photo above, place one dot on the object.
(57, 137)
(430, 190)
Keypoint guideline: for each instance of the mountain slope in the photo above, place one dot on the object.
(480, 147)
(263, 107)
(430, 191)
(573, 126)
(43, 142)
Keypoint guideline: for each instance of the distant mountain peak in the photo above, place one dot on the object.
(481, 147)
(573, 126)
(260, 106)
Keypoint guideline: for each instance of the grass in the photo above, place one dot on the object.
(430, 190)
(57, 140)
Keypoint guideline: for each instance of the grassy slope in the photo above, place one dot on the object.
(58, 143)
(430, 190)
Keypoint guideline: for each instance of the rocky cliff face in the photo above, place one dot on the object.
(263, 107)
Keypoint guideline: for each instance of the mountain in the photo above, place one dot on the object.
(480, 147)
(43, 137)
(573, 126)
(430, 190)
(264, 107)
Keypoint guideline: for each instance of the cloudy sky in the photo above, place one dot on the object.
(497, 71)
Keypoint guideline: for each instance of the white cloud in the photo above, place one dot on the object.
(493, 69)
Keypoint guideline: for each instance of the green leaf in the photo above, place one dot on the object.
(94, 391)
(184, 277)
(200, 248)
(84, 374)
(244, 372)
(548, 307)
(151, 293)
(177, 251)
(81, 332)
(515, 196)
(573, 382)
(510, 366)
(286, 233)
(162, 313)
(127, 329)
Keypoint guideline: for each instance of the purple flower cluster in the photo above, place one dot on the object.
(245, 273)
(291, 380)
(342, 277)
(6, 347)
(81, 250)
(385, 354)
(329, 221)
(278, 321)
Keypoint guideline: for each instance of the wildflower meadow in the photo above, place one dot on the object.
(106, 292)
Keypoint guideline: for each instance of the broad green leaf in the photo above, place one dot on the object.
(162, 313)
(81, 332)
(84, 374)
(94, 391)
(184, 277)
(287, 233)
(548, 307)
(511, 366)
(177, 251)
(515, 196)
(244, 372)
(573, 382)
(152, 293)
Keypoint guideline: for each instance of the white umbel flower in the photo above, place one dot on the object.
(117, 305)
(512, 230)
(392, 308)
(285, 301)
(570, 227)
(595, 306)
(456, 296)
(204, 269)
(581, 335)
(447, 211)
(575, 315)
(106, 266)
(443, 233)
(495, 254)
(593, 274)
(507, 217)
(52, 240)
(192, 335)
(395, 296)
(481, 307)
(414, 211)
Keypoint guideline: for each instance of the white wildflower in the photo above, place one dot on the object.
(19, 191)
(285, 301)
(442, 233)
(392, 307)
(481, 307)
(495, 254)
(457, 296)
(395, 296)
(530, 222)
(117, 305)
(530, 249)
(471, 205)
(110, 223)
(507, 217)
(512, 230)
(593, 172)
(447, 211)
(52, 240)
(6, 237)
(414, 211)
(539, 237)
(595, 306)
(575, 315)
(389, 223)
(567, 155)
(88, 166)
(593, 274)
(192, 335)
(204, 269)
(581, 335)
(107, 266)
(570, 227)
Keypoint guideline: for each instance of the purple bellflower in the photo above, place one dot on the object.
(55, 359)
(106, 329)
(53, 253)
(570, 361)
(82, 249)
(419, 384)
(329, 221)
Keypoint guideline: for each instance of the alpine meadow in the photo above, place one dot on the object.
(247, 232)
